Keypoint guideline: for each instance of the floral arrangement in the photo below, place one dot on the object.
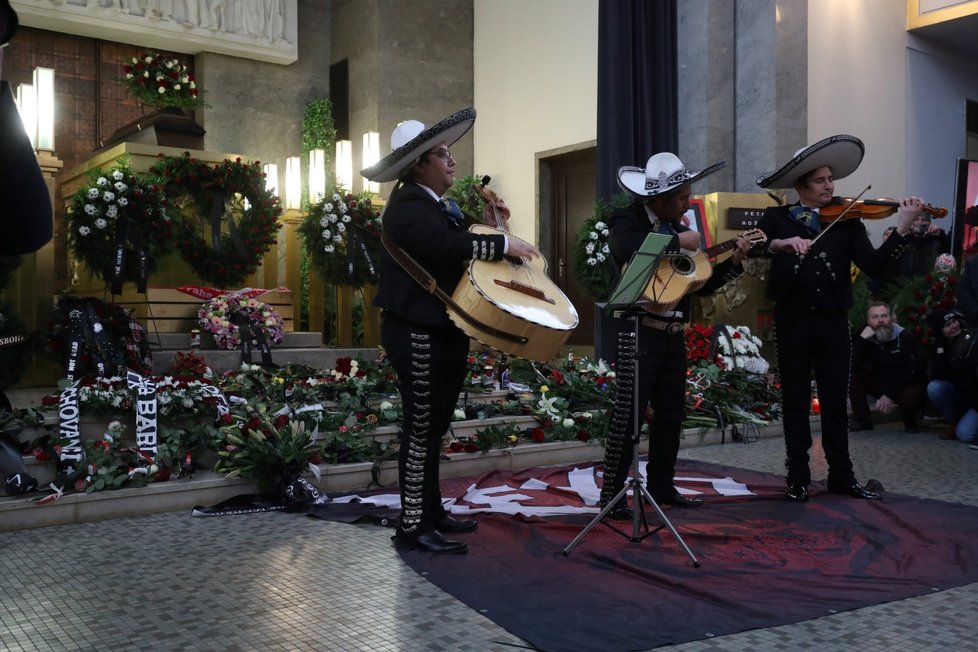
(594, 267)
(248, 218)
(175, 397)
(119, 205)
(122, 344)
(216, 318)
(918, 297)
(341, 235)
(738, 349)
(160, 81)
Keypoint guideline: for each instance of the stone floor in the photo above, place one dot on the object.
(280, 582)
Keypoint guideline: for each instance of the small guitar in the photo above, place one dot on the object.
(679, 274)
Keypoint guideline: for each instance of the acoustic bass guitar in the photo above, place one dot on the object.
(677, 275)
(530, 316)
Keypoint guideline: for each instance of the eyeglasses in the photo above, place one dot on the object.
(443, 154)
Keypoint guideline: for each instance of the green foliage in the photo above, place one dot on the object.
(594, 267)
(318, 132)
(466, 197)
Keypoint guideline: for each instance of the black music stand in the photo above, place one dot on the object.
(628, 298)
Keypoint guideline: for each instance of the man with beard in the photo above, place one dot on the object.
(887, 363)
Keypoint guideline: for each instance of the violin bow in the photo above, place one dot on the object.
(841, 215)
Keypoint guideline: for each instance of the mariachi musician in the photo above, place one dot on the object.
(812, 292)
(661, 191)
(425, 348)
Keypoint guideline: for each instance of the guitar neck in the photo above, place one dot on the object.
(718, 249)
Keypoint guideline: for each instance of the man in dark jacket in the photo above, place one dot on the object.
(662, 192)
(425, 348)
(888, 363)
(953, 389)
(810, 285)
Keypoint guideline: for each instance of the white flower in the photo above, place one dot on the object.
(567, 423)
(386, 405)
(120, 187)
(108, 196)
(327, 234)
(93, 193)
(123, 201)
(600, 226)
(600, 257)
(102, 182)
(118, 175)
(604, 232)
(148, 59)
(333, 219)
(589, 247)
(323, 222)
(111, 211)
(329, 248)
(193, 85)
(336, 197)
(328, 208)
(347, 219)
(161, 90)
(341, 227)
(592, 235)
(101, 223)
(90, 209)
(84, 230)
(459, 415)
(592, 261)
(605, 250)
(337, 238)
(342, 208)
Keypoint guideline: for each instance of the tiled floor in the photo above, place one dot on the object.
(282, 582)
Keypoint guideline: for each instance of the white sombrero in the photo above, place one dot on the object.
(663, 172)
(411, 139)
(842, 153)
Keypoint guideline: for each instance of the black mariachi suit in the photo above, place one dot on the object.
(425, 349)
(661, 365)
(812, 296)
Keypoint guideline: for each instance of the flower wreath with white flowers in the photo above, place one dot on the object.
(227, 217)
(594, 267)
(341, 235)
(737, 348)
(161, 81)
(215, 317)
(119, 227)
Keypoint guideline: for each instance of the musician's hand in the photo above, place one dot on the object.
(796, 244)
(885, 404)
(520, 249)
(689, 240)
(910, 208)
(740, 251)
(496, 214)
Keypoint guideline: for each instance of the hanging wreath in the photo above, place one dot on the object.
(341, 235)
(119, 227)
(217, 317)
(228, 218)
(103, 332)
(594, 267)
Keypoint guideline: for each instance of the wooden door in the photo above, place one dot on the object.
(573, 187)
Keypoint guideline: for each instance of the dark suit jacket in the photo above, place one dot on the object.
(416, 222)
(627, 230)
(26, 222)
(822, 280)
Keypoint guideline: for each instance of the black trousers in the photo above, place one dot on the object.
(662, 386)
(430, 362)
(810, 341)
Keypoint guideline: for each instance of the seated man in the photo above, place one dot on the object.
(888, 363)
(953, 388)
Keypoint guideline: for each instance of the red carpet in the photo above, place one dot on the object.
(765, 562)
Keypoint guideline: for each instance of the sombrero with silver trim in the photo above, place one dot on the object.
(410, 139)
(843, 153)
(663, 172)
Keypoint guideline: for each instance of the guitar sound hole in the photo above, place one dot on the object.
(682, 265)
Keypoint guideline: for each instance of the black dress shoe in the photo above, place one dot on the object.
(797, 492)
(430, 542)
(621, 511)
(452, 525)
(856, 490)
(679, 500)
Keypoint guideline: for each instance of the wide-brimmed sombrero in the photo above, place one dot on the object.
(411, 139)
(663, 172)
(843, 153)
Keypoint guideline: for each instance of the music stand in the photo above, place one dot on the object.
(628, 296)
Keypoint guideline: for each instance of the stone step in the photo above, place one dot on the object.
(221, 360)
(208, 488)
(181, 341)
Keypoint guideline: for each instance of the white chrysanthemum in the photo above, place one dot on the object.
(600, 257)
(100, 223)
(592, 261)
(600, 226)
(84, 230)
(329, 248)
(342, 209)
(589, 248)
(118, 175)
(327, 234)
(123, 201)
(328, 207)
(604, 249)
(92, 193)
(333, 219)
(567, 423)
(112, 211)
(120, 187)
(592, 235)
(176, 87)
(336, 197)
(341, 227)
(90, 209)
(148, 59)
(323, 221)
(347, 219)
(108, 196)
(604, 232)
(102, 182)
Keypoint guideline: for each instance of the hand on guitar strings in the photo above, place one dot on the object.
(520, 249)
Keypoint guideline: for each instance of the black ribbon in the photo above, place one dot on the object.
(123, 234)
(218, 210)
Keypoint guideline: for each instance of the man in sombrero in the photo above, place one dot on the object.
(661, 191)
(425, 348)
(810, 285)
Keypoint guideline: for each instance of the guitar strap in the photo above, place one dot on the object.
(427, 281)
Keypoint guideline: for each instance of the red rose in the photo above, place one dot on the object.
(582, 435)
(538, 435)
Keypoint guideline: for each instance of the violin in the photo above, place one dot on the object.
(867, 209)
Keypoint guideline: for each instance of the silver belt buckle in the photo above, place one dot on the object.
(674, 327)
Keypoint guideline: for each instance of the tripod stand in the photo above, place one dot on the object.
(629, 295)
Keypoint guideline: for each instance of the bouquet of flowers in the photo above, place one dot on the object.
(593, 265)
(215, 317)
(119, 207)
(738, 349)
(160, 81)
(341, 234)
